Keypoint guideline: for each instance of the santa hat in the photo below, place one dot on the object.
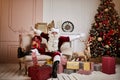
(55, 30)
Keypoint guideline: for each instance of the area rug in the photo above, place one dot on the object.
(12, 72)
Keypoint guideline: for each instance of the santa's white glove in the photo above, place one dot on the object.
(38, 32)
(78, 36)
(35, 51)
(74, 37)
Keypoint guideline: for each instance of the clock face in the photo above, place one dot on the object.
(67, 26)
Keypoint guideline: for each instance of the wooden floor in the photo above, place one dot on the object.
(11, 72)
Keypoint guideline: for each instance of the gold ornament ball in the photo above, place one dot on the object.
(106, 10)
(99, 39)
(107, 46)
(95, 24)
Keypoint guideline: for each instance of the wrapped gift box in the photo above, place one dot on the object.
(86, 66)
(97, 67)
(43, 73)
(69, 71)
(80, 71)
(108, 65)
(39, 72)
(81, 65)
(72, 65)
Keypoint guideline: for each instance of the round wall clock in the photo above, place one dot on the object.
(67, 26)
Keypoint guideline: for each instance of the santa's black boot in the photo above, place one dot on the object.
(54, 69)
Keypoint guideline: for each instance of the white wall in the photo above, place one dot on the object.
(80, 12)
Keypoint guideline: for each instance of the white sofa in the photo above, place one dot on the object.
(25, 43)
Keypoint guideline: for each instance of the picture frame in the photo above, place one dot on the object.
(42, 27)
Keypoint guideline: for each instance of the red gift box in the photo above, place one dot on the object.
(39, 72)
(32, 70)
(44, 73)
(108, 65)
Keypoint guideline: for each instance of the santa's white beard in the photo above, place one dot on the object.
(53, 42)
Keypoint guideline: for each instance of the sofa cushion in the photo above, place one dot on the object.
(39, 57)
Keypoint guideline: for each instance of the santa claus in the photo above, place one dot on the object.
(54, 42)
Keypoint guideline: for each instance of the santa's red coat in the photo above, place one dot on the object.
(62, 39)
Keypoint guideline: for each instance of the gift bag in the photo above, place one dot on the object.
(60, 68)
(72, 65)
(92, 66)
(63, 60)
(62, 64)
(34, 58)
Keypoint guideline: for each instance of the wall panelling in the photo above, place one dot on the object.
(16, 16)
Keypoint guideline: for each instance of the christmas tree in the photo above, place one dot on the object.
(105, 31)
